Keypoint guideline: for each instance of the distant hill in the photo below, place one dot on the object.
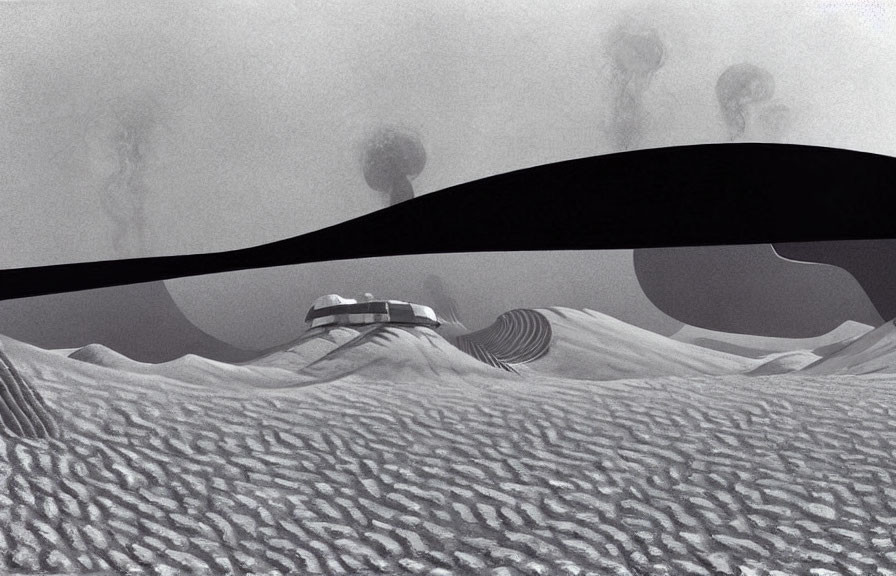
(397, 353)
(544, 343)
(785, 362)
(140, 321)
(377, 353)
(875, 352)
(758, 346)
(189, 368)
(594, 346)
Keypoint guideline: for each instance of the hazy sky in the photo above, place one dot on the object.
(159, 127)
(200, 126)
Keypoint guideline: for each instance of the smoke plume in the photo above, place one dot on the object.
(445, 306)
(774, 122)
(739, 89)
(635, 57)
(124, 191)
(391, 159)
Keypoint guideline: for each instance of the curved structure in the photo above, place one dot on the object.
(516, 337)
(335, 310)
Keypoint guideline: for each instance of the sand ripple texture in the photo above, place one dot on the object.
(22, 411)
(768, 475)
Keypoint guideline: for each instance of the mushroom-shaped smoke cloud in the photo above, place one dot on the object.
(635, 56)
(391, 158)
(738, 89)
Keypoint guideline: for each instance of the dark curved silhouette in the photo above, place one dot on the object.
(751, 290)
(871, 262)
(681, 196)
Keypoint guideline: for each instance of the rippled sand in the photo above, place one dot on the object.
(703, 475)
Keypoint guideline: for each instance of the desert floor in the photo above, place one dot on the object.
(707, 475)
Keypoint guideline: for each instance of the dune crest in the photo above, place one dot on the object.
(757, 346)
(374, 352)
(552, 342)
(875, 352)
(594, 346)
(397, 354)
(784, 363)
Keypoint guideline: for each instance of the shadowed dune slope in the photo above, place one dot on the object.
(397, 353)
(873, 352)
(590, 345)
(758, 346)
(556, 342)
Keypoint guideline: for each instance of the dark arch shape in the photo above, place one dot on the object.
(871, 262)
(709, 194)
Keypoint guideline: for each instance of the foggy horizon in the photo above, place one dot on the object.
(157, 128)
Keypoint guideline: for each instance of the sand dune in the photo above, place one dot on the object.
(677, 476)
(589, 345)
(397, 353)
(189, 369)
(139, 320)
(412, 457)
(873, 352)
(758, 346)
(104, 356)
(192, 368)
(556, 342)
(313, 345)
(784, 362)
(593, 346)
(279, 366)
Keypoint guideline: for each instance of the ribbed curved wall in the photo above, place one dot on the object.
(516, 337)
